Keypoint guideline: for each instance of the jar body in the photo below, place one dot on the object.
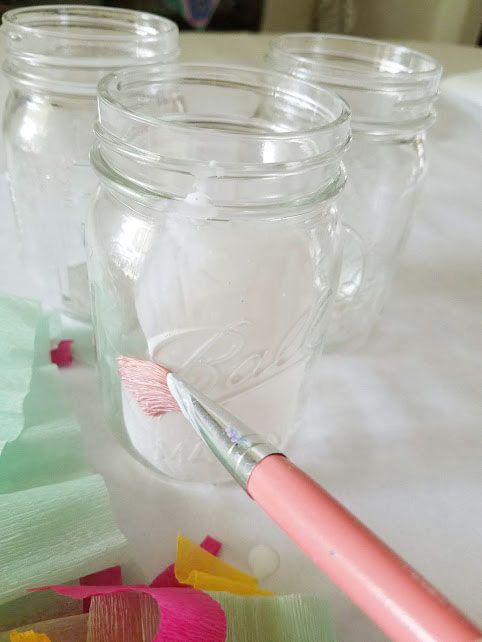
(47, 144)
(390, 90)
(55, 56)
(378, 205)
(213, 245)
(236, 306)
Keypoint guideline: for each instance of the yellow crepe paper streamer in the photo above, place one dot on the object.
(28, 636)
(200, 569)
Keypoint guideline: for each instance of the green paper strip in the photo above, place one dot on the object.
(51, 534)
(23, 340)
(56, 522)
(51, 451)
(43, 454)
(284, 618)
(18, 326)
(46, 400)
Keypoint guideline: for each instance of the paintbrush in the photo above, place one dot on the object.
(400, 601)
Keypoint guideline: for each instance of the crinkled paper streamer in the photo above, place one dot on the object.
(36, 607)
(284, 618)
(65, 629)
(50, 447)
(187, 615)
(56, 532)
(168, 575)
(198, 568)
(107, 577)
(28, 636)
(19, 322)
(56, 522)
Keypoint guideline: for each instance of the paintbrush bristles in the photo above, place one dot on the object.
(146, 382)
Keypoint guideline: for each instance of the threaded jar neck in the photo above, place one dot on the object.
(68, 48)
(250, 137)
(390, 89)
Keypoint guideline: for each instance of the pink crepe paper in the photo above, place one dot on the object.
(108, 577)
(62, 354)
(211, 545)
(168, 578)
(187, 615)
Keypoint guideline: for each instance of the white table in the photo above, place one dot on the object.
(393, 431)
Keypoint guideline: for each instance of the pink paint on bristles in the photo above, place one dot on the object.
(146, 382)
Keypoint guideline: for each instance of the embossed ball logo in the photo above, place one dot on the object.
(218, 360)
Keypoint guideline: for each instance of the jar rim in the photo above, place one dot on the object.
(248, 134)
(109, 92)
(142, 24)
(376, 70)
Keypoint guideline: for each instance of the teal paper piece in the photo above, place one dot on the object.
(44, 454)
(49, 450)
(52, 534)
(56, 522)
(19, 319)
(23, 340)
(284, 618)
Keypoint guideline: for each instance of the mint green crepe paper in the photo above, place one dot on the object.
(56, 522)
(46, 400)
(52, 534)
(18, 326)
(19, 322)
(49, 451)
(284, 618)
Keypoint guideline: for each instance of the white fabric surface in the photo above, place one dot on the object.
(393, 431)
(467, 86)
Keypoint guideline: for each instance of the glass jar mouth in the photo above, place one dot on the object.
(87, 36)
(133, 95)
(87, 22)
(247, 134)
(390, 88)
(329, 110)
(354, 61)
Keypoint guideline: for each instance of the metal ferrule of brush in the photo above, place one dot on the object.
(236, 447)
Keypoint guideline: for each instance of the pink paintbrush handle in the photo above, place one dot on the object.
(404, 605)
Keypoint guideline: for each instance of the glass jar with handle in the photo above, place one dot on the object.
(391, 91)
(213, 244)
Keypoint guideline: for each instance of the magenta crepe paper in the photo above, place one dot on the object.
(211, 545)
(62, 354)
(187, 615)
(168, 578)
(108, 577)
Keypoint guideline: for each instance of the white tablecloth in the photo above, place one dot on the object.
(393, 431)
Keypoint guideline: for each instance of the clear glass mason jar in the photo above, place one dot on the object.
(55, 56)
(213, 244)
(390, 90)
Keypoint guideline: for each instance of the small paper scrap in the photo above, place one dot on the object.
(62, 354)
(108, 577)
(186, 616)
(168, 576)
(28, 636)
(200, 569)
